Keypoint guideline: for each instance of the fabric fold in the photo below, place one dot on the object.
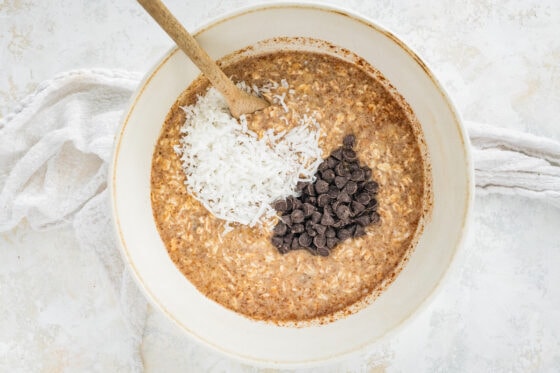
(515, 163)
(54, 148)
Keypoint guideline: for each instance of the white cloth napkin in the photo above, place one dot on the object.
(55, 149)
(54, 154)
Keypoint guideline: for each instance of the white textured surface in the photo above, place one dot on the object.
(500, 61)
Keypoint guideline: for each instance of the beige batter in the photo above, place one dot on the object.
(242, 270)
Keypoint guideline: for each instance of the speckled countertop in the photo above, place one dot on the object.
(500, 309)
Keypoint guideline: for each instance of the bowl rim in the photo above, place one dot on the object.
(458, 122)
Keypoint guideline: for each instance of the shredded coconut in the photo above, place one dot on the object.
(232, 172)
(279, 99)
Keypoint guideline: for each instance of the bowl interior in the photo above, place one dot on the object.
(260, 342)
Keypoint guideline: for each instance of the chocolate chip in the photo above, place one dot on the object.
(340, 181)
(367, 172)
(323, 251)
(340, 223)
(334, 192)
(277, 241)
(327, 219)
(298, 204)
(360, 231)
(330, 233)
(311, 232)
(295, 244)
(321, 186)
(341, 170)
(289, 204)
(280, 205)
(320, 241)
(323, 166)
(363, 220)
(343, 212)
(312, 200)
(343, 234)
(363, 198)
(323, 200)
(328, 210)
(353, 166)
(328, 175)
(288, 238)
(316, 217)
(284, 249)
(372, 205)
(337, 154)
(344, 197)
(374, 217)
(311, 250)
(349, 155)
(335, 204)
(287, 219)
(331, 242)
(280, 229)
(300, 185)
(308, 209)
(357, 207)
(321, 229)
(298, 228)
(371, 186)
(305, 240)
(297, 216)
(349, 141)
(357, 175)
(310, 190)
(351, 187)
(332, 162)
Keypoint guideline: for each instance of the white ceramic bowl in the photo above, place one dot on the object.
(263, 343)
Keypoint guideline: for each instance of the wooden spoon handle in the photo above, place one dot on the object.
(190, 46)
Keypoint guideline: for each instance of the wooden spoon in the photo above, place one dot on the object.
(239, 101)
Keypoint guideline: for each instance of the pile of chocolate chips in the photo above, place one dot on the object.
(337, 206)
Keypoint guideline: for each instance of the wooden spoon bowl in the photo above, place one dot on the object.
(239, 101)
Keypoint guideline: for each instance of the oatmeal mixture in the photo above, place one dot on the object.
(242, 270)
